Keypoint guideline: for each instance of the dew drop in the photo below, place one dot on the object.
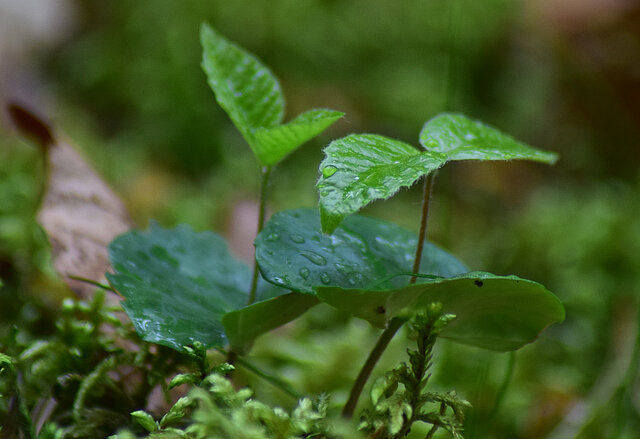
(328, 171)
(315, 258)
(469, 136)
(273, 237)
(343, 269)
(299, 239)
(304, 272)
(325, 279)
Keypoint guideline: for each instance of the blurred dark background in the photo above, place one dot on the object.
(123, 80)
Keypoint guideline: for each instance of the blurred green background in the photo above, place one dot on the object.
(123, 80)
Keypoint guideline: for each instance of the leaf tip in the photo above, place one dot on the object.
(329, 222)
(31, 125)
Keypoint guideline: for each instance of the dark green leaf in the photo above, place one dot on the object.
(461, 138)
(276, 143)
(361, 168)
(178, 284)
(244, 87)
(292, 252)
(244, 325)
(493, 312)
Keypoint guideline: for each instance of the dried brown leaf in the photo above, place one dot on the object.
(79, 212)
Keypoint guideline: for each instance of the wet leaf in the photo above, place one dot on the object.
(362, 168)
(500, 313)
(462, 138)
(244, 87)
(363, 252)
(178, 285)
(252, 97)
(277, 142)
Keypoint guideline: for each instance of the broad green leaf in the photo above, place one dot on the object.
(178, 284)
(462, 138)
(244, 325)
(244, 87)
(277, 142)
(361, 168)
(252, 97)
(292, 252)
(500, 313)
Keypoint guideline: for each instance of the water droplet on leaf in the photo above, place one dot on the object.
(328, 171)
(304, 272)
(343, 269)
(315, 258)
(325, 279)
(299, 239)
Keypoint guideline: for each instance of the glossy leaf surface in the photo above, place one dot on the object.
(361, 168)
(462, 138)
(244, 87)
(500, 313)
(178, 284)
(277, 142)
(292, 252)
(251, 95)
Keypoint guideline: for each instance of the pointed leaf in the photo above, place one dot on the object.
(500, 313)
(244, 87)
(462, 138)
(361, 168)
(145, 420)
(244, 325)
(178, 284)
(276, 143)
(292, 252)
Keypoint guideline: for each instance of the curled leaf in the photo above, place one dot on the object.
(79, 211)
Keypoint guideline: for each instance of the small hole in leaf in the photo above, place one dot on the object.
(478, 283)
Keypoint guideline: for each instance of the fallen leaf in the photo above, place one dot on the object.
(79, 212)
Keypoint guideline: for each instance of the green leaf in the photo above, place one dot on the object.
(500, 313)
(251, 95)
(292, 252)
(184, 378)
(178, 284)
(145, 420)
(462, 138)
(276, 143)
(361, 168)
(244, 325)
(177, 412)
(244, 87)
